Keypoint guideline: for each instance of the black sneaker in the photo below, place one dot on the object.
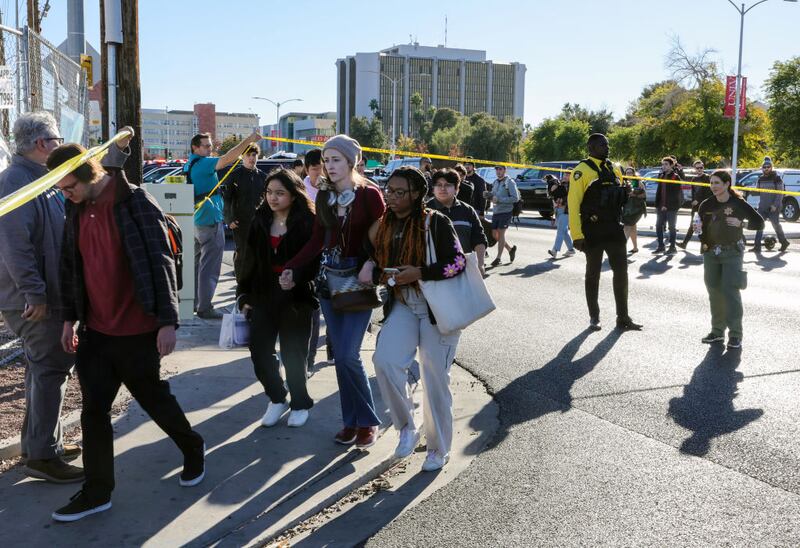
(734, 342)
(194, 468)
(682, 245)
(658, 250)
(754, 249)
(627, 324)
(672, 250)
(784, 246)
(81, 506)
(512, 253)
(712, 338)
(594, 324)
(209, 314)
(496, 262)
(54, 470)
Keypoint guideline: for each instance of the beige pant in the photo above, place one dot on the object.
(407, 329)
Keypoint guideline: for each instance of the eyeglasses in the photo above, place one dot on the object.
(398, 193)
(444, 186)
(69, 188)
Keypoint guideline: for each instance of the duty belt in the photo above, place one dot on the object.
(719, 248)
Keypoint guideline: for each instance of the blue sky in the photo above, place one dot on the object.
(597, 54)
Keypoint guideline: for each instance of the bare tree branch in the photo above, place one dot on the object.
(692, 68)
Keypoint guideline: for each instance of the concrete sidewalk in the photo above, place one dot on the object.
(259, 481)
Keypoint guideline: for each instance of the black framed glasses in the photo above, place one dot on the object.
(399, 192)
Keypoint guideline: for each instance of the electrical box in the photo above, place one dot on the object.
(178, 200)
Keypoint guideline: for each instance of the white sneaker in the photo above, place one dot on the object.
(274, 413)
(434, 461)
(409, 438)
(297, 417)
(569, 253)
(552, 253)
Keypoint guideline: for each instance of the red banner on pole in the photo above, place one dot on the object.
(730, 97)
(273, 144)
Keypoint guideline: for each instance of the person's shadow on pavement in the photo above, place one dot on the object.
(655, 266)
(532, 269)
(547, 389)
(706, 407)
(768, 264)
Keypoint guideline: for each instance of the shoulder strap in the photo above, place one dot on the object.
(189, 170)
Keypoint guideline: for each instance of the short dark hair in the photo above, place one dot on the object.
(314, 157)
(461, 170)
(199, 137)
(251, 149)
(448, 174)
(594, 137)
(90, 172)
(297, 163)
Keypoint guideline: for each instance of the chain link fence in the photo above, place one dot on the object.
(35, 75)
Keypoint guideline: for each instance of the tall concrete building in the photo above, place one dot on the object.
(303, 126)
(166, 133)
(460, 79)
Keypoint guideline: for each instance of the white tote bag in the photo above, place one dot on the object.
(235, 329)
(459, 301)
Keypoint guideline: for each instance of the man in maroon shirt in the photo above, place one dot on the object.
(119, 283)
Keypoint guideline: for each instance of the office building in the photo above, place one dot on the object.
(167, 133)
(459, 79)
(303, 126)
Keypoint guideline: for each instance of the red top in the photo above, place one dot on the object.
(274, 242)
(112, 306)
(367, 208)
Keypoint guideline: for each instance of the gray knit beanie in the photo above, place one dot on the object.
(348, 146)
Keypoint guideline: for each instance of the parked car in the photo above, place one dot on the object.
(651, 186)
(380, 176)
(157, 175)
(533, 189)
(791, 181)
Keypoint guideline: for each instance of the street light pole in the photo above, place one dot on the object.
(278, 109)
(394, 106)
(166, 152)
(738, 101)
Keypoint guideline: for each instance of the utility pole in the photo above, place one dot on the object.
(104, 133)
(129, 93)
(33, 16)
(120, 71)
(4, 122)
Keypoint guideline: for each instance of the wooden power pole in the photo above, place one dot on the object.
(33, 16)
(129, 94)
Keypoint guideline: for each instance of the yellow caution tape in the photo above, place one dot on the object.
(32, 190)
(516, 165)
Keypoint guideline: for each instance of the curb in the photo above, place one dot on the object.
(12, 447)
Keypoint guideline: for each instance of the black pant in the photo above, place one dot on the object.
(617, 258)
(239, 240)
(104, 363)
(292, 322)
(689, 232)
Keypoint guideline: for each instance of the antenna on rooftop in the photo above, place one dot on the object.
(445, 30)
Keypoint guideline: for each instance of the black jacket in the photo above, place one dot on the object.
(674, 194)
(701, 193)
(465, 222)
(243, 194)
(478, 188)
(716, 230)
(450, 259)
(257, 283)
(465, 192)
(145, 242)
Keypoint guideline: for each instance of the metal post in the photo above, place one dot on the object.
(394, 117)
(735, 158)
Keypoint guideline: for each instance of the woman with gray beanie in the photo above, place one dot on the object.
(346, 207)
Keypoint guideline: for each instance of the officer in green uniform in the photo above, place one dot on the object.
(596, 191)
(721, 219)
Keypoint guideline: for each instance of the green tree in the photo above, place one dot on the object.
(369, 133)
(445, 140)
(599, 121)
(375, 107)
(228, 143)
(491, 139)
(783, 94)
(557, 139)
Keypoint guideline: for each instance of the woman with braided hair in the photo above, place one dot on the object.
(400, 250)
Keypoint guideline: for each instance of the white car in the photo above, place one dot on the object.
(791, 181)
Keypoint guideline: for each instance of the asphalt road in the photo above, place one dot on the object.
(647, 438)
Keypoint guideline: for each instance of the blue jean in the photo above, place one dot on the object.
(562, 230)
(662, 218)
(774, 218)
(346, 331)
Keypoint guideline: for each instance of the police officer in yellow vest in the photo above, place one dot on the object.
(597, 194)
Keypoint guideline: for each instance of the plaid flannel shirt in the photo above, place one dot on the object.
(145, 241)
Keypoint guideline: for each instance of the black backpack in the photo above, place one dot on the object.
(176, 246)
